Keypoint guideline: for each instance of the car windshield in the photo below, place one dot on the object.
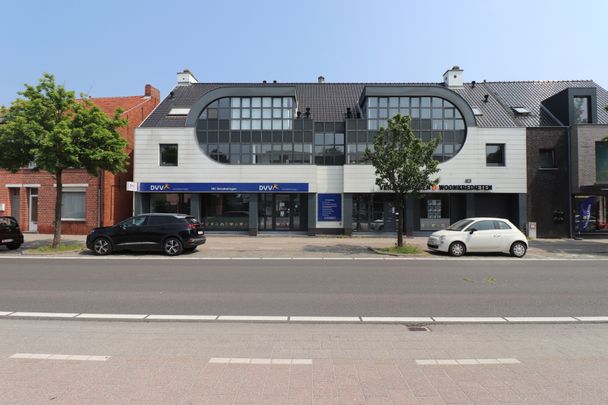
(460, 225)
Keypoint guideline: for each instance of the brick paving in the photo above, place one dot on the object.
(169, 364)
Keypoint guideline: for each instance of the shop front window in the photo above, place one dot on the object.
(374, 213)
(225, 212)
(174, 203)
(434, 213)
(590, 214)
(601, 162)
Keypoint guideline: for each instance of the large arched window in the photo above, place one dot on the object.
(431, 117)
(249, 130)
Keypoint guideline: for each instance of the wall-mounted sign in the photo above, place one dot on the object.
(224, 187)
(461, 187)
(329, 207)
(131, 186)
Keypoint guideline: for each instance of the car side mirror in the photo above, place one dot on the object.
(472, 231)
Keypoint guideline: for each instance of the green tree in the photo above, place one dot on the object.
(403, 162)
(47, 126)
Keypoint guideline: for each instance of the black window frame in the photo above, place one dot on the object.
(504, 155)
(541, 161)
(161, 161)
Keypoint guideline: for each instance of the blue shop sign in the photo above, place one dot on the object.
(224, 187)
(329, 207)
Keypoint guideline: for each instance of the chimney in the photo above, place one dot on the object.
(185, 78)
(320, 79)
(152, 92)
(453, 77)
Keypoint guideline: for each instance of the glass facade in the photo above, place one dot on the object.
(225, 212)
(177, 203)
(264, 131)
(431, 117)
(601, 162)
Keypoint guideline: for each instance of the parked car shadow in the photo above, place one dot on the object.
(136, 253)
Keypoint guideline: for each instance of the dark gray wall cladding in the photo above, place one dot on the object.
(434, 91)
(561, 105)
(584, 138)
(547, 188)
(209, 97)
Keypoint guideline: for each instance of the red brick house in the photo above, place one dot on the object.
(88, 201)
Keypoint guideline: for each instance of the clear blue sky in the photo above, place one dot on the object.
(113, 48)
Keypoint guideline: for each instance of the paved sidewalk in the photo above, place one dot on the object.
(289, 246)
(265, 364)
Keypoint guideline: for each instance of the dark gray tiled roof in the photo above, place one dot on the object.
(329, 101)
(530, 94)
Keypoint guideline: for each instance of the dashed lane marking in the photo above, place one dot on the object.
(465, 362)
(70, 357)
(258, 361)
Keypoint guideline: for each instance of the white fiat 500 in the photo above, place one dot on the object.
(479, 235)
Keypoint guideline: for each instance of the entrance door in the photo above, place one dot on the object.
(15, 203)
(279, 212)
(33, 225)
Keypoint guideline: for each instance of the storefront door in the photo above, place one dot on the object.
(15, 203)
(280, 212)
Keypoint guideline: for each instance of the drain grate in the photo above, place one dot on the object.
(418, 329)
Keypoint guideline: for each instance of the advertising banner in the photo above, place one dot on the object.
(329, 207)
(224, 187)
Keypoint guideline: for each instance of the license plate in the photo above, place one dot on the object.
(7, 240)
(200, 232)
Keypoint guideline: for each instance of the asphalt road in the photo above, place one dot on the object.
(307, 287)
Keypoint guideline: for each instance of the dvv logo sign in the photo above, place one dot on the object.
(268, 187)
(160, 187)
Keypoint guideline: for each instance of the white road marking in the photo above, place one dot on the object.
(469, 319)
(324, 319)
(541, 319)
(592, 318)
(255, 318)
(465, 362)
(44, 314)
(111, 316)
(181, 317)
(392, 319)
(296, 319)
(258, 361)
(70, 357)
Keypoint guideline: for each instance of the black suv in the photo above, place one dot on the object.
(171, 233)
(10, 234)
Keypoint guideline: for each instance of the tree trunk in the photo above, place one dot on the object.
(59, 189)
(400, 200)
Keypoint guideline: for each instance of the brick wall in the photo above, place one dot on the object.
(117, 203)
(548, 188)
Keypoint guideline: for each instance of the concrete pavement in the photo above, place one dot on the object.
(309, 364)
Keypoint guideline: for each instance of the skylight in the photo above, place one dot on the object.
(521, 110)
(476, 111)
(179, 111)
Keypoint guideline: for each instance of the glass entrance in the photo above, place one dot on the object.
(280, 212)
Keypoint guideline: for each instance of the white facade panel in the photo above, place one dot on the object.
(469, 163)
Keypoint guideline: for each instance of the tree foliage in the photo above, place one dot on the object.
(403, 163)
(47, 126)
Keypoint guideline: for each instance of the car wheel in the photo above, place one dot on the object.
(518, 249)
(13, 246)
(102, 246)
(172, 246)
(457, 249)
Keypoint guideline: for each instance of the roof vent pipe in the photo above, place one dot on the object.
(473, 84)
(485, 98)
(320, 79)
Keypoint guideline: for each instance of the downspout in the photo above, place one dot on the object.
(100, 200)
